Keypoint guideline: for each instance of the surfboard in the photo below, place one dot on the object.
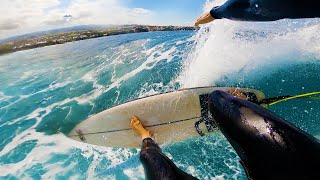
(170, 117)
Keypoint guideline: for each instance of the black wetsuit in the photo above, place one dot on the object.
(157, 166)
(266, 10)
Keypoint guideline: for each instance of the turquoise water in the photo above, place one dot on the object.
(45, 92)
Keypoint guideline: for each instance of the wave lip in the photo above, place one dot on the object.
(224, 47)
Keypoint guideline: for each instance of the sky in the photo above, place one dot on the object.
(25, 16)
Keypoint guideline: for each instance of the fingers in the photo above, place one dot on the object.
(197, 22)
(205, 18)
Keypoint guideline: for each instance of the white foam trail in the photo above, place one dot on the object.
(151, 89)
(146, 65)
(116, 58)
(4, 97)
(91, 77)
(27, 74)
(225, 46)
(135, 173)
(57, 168)
(59, 144)
(62, 145)
(51, 87)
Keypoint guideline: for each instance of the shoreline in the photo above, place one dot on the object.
(72, 36)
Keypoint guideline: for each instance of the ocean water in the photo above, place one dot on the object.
(45, 92)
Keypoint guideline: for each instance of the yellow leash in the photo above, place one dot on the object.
(297, 96)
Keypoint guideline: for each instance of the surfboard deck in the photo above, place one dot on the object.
(170, 117)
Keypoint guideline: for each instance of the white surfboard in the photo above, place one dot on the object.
(170, 117)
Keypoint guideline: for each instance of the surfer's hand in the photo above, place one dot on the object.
(206, 18)
(238, 93)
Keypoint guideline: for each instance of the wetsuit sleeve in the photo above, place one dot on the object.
(215, 12)
(157, 166)
(232, 9)
(266, 10)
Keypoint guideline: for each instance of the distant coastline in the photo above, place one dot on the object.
(61, 38)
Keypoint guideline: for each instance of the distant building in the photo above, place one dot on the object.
(42, 42)
(83, 36)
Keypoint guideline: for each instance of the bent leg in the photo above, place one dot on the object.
(158, 166)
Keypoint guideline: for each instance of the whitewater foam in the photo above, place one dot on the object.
(58, 144)
(155, 55)
(223, 47)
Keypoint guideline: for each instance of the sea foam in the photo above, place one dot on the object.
(224, 46)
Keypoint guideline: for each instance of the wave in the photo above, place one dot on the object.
(97, 79)
(223, 47)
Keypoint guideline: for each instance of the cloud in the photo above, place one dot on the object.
(9, 25)
(20, 16)
(141, 11)
(106, 12)
(57, 22)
